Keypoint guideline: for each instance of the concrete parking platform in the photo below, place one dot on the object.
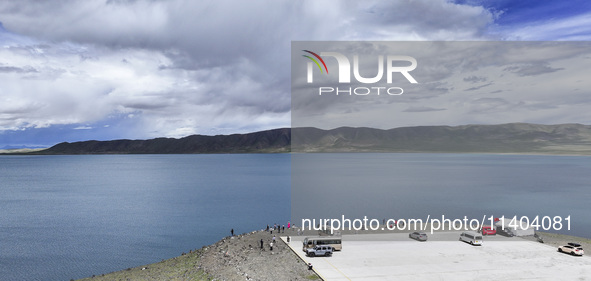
(443, 257)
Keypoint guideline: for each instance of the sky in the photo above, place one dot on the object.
(452, 83)
(137, 69)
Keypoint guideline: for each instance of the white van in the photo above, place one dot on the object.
(471, 237)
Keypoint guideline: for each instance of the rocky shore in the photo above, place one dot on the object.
(238, 257)
(557, 240)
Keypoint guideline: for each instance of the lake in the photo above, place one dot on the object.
(64, 217)
(423, 185)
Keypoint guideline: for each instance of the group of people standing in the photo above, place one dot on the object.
(278, 228)
(270, 244)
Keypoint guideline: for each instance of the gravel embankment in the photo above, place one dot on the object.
(557, 240)
(232, 258)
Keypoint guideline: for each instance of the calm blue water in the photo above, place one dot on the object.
(403, 186)
(64, 217)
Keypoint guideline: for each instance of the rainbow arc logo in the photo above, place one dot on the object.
(315, 61)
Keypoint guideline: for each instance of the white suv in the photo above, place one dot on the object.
(319, 250)
(572, 248)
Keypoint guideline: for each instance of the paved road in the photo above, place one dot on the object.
(443, 257)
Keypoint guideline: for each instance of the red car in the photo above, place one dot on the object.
(487, 230)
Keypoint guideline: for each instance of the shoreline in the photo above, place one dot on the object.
(37, 153)
(237, 257)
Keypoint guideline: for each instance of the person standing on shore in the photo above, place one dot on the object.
(271, 246)
(232, 232)
(261, 244)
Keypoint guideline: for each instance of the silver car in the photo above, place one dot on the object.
(319, 250)
(419, 236)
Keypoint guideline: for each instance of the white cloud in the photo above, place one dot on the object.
(77, 85)
(576, 28)
(182, 67)
(420, 20)
(83, 128)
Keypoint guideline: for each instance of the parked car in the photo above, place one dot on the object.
(488, 230)
(419, 236)
(471, 237)
(319, 250)
(572, 248)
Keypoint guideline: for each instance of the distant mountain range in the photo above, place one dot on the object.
(504, 138)
(272, 141)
